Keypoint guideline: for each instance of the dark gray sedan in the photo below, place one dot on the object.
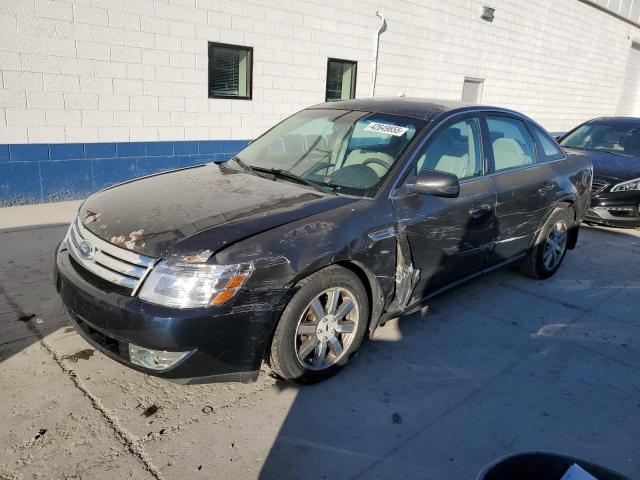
(339, 218)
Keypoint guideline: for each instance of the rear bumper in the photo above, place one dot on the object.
(615, 209)
(225, 343)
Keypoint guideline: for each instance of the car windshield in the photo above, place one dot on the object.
(621, 139)
(347, 151)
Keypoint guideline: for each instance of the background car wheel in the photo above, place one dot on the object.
(322, 326)
(546, 256)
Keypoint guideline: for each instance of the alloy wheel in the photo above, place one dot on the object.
(555, 246)
(327, 328)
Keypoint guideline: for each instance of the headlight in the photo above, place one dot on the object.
(626, 186)
(192, 285)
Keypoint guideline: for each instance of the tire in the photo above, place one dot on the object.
(537, 264)
(309, 324)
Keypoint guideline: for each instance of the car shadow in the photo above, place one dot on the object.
(411, 374)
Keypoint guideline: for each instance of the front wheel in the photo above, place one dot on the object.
(321, 328)
(546, 256)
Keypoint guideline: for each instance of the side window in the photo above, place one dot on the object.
(511, 143)
(549, 147)
(456, 149)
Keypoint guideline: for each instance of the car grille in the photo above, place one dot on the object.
(598, 186)
(106, 261)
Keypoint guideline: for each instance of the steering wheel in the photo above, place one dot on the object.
(377, 161)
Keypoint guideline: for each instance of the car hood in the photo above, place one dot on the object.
(198, 210)
(614, 168)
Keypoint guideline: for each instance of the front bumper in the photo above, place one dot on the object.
(227, 343)
(615, 209)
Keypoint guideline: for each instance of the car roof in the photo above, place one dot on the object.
(422, 108)
(616, 120)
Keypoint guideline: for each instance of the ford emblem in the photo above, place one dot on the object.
(86, 250)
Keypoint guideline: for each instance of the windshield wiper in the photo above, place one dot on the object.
(247, 168)
(287, 175)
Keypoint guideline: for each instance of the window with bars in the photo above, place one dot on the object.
(341, 79)
(230, 71)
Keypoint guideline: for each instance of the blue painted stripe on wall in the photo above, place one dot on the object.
(100, 150)
(35, 173)
(29, 152)
(4, 153)
(66, 151)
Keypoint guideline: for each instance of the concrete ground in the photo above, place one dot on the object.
(501, 365)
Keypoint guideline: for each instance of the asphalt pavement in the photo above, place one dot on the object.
(500, 365)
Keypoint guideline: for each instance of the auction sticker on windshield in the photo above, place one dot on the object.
(394, 130)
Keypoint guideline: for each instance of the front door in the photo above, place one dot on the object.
(449, 238)
(525, 186)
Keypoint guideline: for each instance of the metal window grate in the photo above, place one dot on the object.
(103, 259)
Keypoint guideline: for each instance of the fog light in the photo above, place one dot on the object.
(154, 359)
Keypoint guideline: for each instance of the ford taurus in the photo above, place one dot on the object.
(293, 251)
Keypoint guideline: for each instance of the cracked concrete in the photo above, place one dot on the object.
(503, 364)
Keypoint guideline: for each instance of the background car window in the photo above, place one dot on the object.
(511, 143)
(615, 138)
(456, 149)
(549, 147)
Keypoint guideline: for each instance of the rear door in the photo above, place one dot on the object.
(449, 238)
(524, 185)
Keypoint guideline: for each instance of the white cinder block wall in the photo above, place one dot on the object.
(136, 70)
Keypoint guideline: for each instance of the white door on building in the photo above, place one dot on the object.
(629, 104)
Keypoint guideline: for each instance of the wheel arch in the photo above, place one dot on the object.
(373, 288)
(568, 204)
(572, 234)
(371, 285)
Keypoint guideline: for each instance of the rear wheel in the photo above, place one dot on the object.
(546, 256)
(321, 328)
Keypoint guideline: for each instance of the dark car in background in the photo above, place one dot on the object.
(613, 146)
(339, 218)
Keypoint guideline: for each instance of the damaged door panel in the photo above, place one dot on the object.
(407, 275)
(448, 238)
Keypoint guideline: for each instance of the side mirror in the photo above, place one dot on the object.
(439, 184)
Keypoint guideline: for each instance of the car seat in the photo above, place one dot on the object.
(508, 153)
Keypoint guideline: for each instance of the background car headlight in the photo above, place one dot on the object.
(626, 186)
(192, 285)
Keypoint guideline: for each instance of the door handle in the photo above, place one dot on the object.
(480, 211)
